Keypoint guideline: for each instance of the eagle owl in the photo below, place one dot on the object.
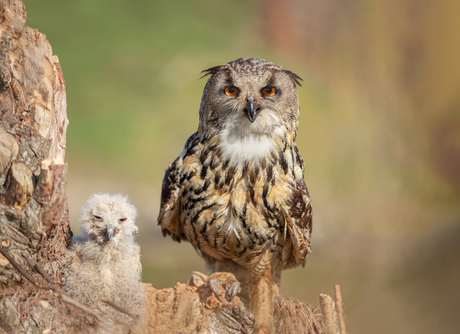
(237, 192)
(104, 263)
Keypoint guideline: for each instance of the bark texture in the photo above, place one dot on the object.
(33, 206)
(34, 214)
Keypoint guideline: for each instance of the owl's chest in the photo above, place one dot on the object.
(234, 211)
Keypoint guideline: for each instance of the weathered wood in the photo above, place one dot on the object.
(187, 309)
(33, 206)
(340, 312)
(18, 186)
(33, 123)
(329, 313)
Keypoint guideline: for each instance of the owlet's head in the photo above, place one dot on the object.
(108, 218)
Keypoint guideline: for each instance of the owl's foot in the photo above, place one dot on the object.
(217, 282)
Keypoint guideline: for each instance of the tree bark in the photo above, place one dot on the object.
(33, 206)
(34, 220)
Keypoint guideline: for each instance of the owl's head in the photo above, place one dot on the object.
(249, 96)
(108, 218)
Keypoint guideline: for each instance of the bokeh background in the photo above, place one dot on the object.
(379, 133)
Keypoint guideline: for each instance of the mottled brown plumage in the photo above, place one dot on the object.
(237, 192)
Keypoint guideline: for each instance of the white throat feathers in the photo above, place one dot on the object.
(250, 141)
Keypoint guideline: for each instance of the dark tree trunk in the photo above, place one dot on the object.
(34, 220)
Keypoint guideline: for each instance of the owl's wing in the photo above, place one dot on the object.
(169, 217)
(298, 216)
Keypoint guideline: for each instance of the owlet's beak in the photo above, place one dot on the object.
(108, 233)
(252, 109)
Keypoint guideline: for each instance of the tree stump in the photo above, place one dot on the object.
(34, 220)
(33, 206)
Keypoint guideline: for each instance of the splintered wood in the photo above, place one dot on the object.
(341, 314)
(186, 309)
(333, 316)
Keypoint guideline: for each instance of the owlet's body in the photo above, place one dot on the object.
(104, 264)
(237, 192)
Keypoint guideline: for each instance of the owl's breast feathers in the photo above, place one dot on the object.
(234, 209)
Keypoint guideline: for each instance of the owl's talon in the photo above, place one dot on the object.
(214, 284)
(197, 276)
(226, 280)
(232, 291)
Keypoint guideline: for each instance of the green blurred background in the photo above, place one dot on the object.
(379, 133)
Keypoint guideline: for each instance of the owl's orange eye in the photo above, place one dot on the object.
(269, 91)
(121, 220)
(231, 91)
(97, 217)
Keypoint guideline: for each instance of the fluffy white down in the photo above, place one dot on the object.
(109, 270)
(110, 208)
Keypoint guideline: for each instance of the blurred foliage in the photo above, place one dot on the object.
(132, 70)
(379, 132)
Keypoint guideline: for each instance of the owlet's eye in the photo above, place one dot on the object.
(121, 220)
(269, 91)
(97, 217)
(231, 91)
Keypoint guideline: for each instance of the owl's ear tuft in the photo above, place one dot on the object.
(294, 77)
(211, 71)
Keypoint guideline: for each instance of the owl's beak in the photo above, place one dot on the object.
(108, 233)
(251, 110)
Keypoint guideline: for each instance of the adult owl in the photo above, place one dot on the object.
(104, 263)
(237, 192)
